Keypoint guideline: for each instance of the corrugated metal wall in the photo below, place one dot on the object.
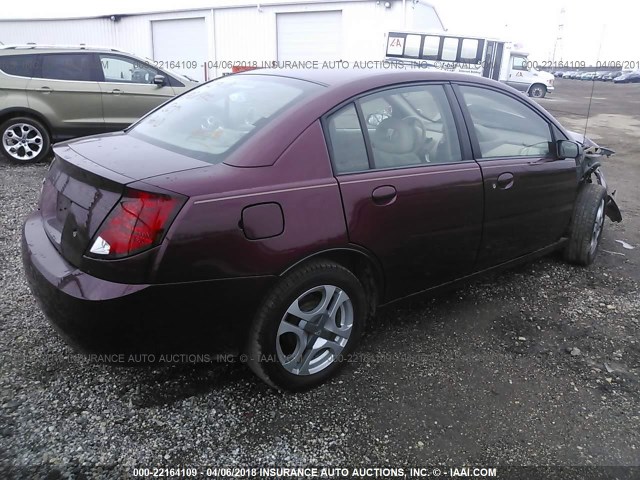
(129, 33)
(248, 34)
(92, 31)
(134, 32)
(233, 34)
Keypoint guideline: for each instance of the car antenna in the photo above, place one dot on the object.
(593, 84)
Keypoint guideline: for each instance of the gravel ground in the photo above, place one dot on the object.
(536, 366)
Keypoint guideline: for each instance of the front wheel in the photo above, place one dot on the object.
(24, 140)
(538, 91)
(308, 324)
(587, 224)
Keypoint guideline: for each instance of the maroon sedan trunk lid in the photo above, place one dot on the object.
(132, 157)
(87, 179)
(75, 201)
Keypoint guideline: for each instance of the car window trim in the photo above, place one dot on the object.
(466, 150)
(405, 167)
(475, 144)
(420, 170)
(367, 140)
(324, 122)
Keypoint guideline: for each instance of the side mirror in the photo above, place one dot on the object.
(159, 80)
(567, 149)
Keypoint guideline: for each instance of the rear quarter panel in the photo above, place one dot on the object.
(12, 92)
(207, 240)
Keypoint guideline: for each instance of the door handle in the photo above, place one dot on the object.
(384, 195)
(45, 89)
(116, 91)
(504, 181)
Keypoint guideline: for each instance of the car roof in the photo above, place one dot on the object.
(336, 87)
(368, 78)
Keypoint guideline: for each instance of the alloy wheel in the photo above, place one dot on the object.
(22, 141)
(314, 330)
(597, 228)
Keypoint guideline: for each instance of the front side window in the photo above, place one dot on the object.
(124, 70)
(520, 63)
(504, 126)
(68, 66)
(209, 121)
(19, 65)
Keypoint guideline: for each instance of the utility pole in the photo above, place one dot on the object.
(557, 46)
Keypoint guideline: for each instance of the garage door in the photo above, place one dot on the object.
(309, 36)
(183, 42)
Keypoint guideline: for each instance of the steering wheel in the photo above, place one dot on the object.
(421, 141)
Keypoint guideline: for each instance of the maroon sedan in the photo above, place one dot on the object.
(270, 213)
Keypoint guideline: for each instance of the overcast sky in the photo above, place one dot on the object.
(605, 30)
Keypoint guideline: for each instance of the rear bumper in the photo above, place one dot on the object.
(99, 316)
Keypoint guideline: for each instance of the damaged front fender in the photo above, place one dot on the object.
(590, 171)
(611, 209)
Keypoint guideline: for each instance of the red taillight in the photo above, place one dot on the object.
(137, 222)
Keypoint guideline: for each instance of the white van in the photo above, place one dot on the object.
(486, 57)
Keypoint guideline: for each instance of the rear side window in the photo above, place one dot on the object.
(347, 142)
(19, 65)
(411, 126)
(67, 66)
(504, 126)
(408, 126)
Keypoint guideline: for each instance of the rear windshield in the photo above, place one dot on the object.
(210, 121)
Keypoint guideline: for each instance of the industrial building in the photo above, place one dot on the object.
(205, 42)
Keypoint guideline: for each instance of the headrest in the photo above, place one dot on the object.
(394, 136)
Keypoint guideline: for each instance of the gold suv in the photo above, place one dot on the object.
(49, 93)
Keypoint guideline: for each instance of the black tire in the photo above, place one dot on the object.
(37, 140)
(585, 234)
(262, 353)
(537, 90)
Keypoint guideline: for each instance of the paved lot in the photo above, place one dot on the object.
(482, 375)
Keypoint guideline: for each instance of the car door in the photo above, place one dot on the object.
(65, 90)
(519, 75)
(411, 192)
(528, 193)
(128, 90)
